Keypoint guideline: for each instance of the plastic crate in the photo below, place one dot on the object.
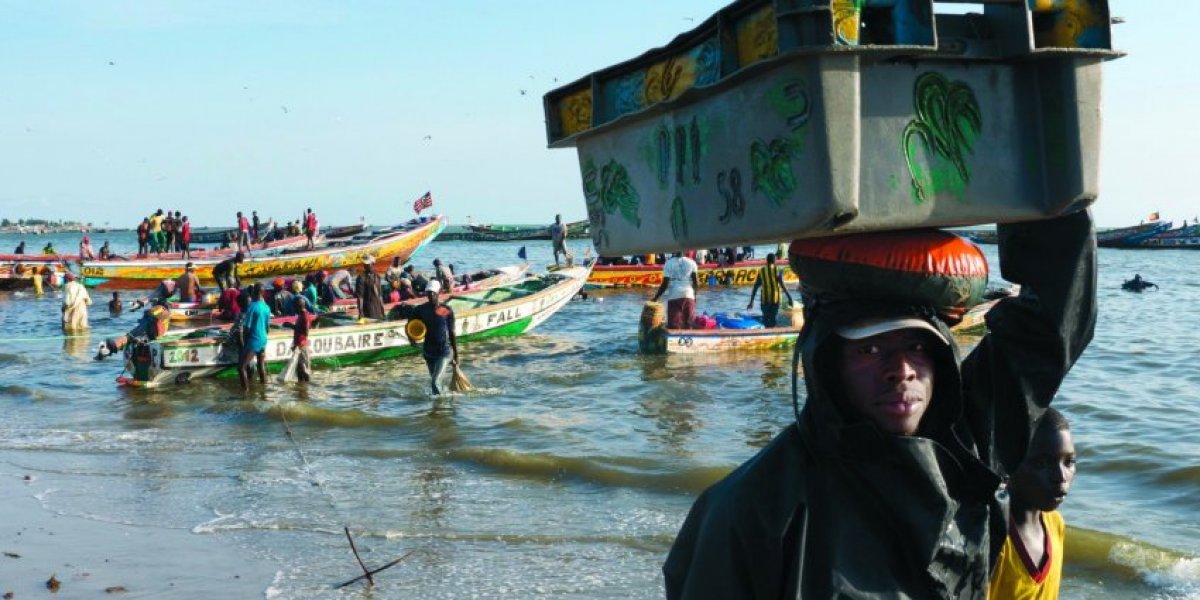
(801, 118)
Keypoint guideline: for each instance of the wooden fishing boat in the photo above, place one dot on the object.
(1137, 236)
(18, 270)
(207, 311)
(700, 341)
(1186, 236)
(696, 341)
(146, 274)
(1128, 237)
(512, 233)
(338, 339)
(219, 236)
(741, 273)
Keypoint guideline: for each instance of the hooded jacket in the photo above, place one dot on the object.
(835, 508)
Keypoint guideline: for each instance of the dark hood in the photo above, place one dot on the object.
(826, 423)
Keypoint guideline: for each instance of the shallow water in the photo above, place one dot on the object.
(568, 473)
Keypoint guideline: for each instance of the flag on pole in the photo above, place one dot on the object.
(1153, 216)
(521, 254)
(423, 203)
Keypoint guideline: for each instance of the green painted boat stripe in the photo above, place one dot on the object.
(514, 328)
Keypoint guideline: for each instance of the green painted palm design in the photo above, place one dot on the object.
(679, 226)
(609, 190)
(947, 124)
(772, 168)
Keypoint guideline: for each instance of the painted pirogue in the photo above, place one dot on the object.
(655, 338)
(16, 270)
(198, 313)
(740, 274)
(146, 274)
(339, 339)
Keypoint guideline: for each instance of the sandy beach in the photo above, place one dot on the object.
(89, 556)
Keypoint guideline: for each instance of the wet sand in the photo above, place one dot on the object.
(89, 556)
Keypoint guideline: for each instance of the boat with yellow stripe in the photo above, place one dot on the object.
(742, 273)
(400, 242)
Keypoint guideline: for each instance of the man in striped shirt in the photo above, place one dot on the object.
(773, 291)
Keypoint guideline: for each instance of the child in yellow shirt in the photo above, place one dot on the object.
(1030, 563)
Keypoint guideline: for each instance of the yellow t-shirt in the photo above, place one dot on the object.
(156, 223)
(1017, 578)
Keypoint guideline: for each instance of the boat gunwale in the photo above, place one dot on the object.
(280, 331)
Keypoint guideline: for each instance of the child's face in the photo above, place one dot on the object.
(1043, 480)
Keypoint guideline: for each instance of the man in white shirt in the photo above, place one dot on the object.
(75, 301)
(679, 282)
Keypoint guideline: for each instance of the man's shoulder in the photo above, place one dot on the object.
(771, 483)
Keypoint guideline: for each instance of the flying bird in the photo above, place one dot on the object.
(111, 63)
(429, 137)
(689, 19)
(522, 92)
(284, 109)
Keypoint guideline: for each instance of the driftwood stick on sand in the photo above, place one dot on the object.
(368, 574)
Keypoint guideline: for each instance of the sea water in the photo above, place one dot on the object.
(567, 474)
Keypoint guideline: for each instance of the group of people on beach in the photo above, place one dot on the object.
(680, 280)
(910, 470)
(171, 232)
(164, 232)
(298, 300)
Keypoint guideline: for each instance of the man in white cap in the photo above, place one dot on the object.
(440, 348)
(888, 483)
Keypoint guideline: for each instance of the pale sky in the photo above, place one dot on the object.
(111, 109)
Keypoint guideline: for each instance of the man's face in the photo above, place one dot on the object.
(888, 378)
(1044, 477)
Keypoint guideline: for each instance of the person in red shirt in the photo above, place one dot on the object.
(243, 235)
(143, 235)
(310, 228)
(300, 341)
(185, 238)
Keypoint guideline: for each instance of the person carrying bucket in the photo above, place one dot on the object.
(440, 345)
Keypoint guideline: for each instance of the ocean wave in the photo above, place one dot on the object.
(550, 468)
(1169, 572)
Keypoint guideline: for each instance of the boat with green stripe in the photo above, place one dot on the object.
(337, 340)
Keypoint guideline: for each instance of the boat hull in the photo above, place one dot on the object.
(704, 341)
(699, 341)
(148, 274)
(177, 361)
(738, 274)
